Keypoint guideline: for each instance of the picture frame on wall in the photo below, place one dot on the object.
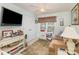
(7, 33)
(74, 15)
(42, 27)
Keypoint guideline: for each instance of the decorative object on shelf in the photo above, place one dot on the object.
(70, 33)
(7, 33)
(10, 33)
(17, 33)
(20, 32)
(42, 27)
(75, 15)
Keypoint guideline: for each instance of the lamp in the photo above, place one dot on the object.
(70, 33)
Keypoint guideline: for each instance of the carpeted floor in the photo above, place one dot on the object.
(40, 47)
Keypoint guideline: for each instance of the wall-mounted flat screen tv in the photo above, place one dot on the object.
(10, 18)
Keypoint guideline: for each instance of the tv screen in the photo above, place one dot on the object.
(10, 17)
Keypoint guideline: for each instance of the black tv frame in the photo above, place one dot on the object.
(3, 24)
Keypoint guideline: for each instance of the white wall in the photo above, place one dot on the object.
(67, 20)
(28, 24)
(66, 16)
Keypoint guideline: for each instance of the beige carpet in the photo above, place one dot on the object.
(40, 47)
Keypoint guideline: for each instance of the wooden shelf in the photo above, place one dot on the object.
(7, 49)
(12, 45)
(7, 41)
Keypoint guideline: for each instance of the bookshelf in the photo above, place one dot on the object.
(13, 45)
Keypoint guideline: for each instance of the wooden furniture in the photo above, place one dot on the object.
(75, 15)
(55, 45)
(3, 53)
(5, 42)
(77, 46)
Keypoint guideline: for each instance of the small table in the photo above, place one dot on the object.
(55, 45)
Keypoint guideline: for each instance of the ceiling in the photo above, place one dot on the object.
(44, 8)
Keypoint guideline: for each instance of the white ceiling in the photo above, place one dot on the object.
(48, 7)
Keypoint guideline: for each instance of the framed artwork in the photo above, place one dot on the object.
(74, 15)
(42, 27)
(7, 33)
